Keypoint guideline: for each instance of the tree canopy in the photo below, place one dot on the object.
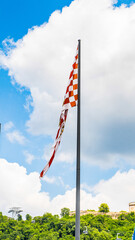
(65, 212)
(103, 208)
(100, 227)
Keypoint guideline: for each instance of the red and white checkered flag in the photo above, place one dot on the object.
(70, 100)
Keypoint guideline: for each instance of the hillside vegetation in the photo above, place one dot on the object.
(49, 227)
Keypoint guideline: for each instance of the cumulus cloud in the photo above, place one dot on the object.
(117, 191)
(16, 136)
(24, 190)
(28, 157)
(41, 61)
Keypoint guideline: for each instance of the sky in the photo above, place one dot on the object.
(38, 43)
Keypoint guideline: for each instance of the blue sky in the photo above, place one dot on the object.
(127, 2)
(32, 88)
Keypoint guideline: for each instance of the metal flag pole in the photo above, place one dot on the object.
(77, 223)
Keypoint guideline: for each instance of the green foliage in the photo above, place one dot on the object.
(103, 208)
(65, 212)
(49, 227)
(19, 217)
(28, 217)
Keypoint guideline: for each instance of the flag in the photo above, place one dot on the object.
(133, 236)
(70, 100)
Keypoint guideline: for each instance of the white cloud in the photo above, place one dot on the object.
(55, 180)
(20, 189)
(49, 179)
(28, 157)
(28, 104)
(65, 157)
(105, 161)
(110, 191)
(16, 136)
(108, 86)
(24, 190)
(120, 187)
(8, 125)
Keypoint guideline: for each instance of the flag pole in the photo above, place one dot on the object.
(77, 223)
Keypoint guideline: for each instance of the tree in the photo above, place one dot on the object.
(103, 208)
(19, 217)
(65, 212)
(28, 217)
